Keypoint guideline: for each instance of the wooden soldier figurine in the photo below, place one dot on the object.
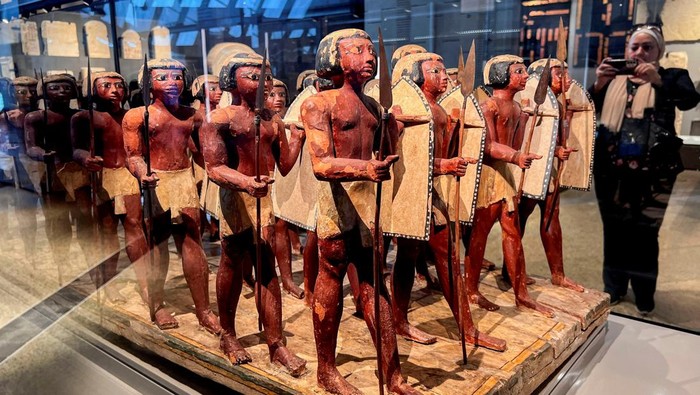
(228, 142)
(550, 228)
(342, 126)
(497, 196)
(427, 71)
(286, 235)
(175, 204)
(65, 185)
(117, 191)
(207, 94)
(29, 172)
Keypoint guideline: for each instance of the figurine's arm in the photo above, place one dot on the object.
(288, 148)
(216, 158)
(33, 123)
(80, 139)
(455, 165)
(499, 151)
(564, 128)
(194, 143)
(315, 116)
(134, 146)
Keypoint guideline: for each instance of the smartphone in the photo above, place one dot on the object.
(623, 66)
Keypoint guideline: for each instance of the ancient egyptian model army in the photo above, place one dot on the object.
(350, 144)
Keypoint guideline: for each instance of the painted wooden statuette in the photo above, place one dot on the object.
(497, 198)
(229, 146)
(98, 145)
(342, 125)
(171, 186)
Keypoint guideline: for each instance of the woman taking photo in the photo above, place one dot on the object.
(636, 158)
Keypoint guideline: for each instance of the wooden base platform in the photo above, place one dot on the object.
(537, 345)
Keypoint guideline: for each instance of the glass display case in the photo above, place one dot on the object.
(65, 262)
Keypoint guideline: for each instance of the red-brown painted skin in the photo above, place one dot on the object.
(170, 130)
(110, 153)
(228, 143)
(551, 237)
(340, 128)
(505, 123)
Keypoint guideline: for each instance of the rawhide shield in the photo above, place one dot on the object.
(407, 196)
(371, 89)
(544, 140)
(472, 147)
(577, 172)
(294, 196)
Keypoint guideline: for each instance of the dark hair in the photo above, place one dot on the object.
(227, 75)
(328, 54)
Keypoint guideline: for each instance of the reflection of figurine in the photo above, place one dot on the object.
(550, 228)
(207, 94)
(176, 209)
(341, 125)
(118, 195)
(228, 142)
(65, 195)
(28, 171)
(497, 200)
(428, 72)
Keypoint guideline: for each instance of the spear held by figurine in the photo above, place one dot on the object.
(540, 95)
(465, 75)
(147, 190)
(561, 57)
(259, 107)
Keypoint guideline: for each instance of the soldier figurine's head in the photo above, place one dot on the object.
(427, 70)
(207, 86)
(7, 94)
(348, 54)
(108, 89)
(505, 71)
(559, 80)
(242, 74)
(59, 88)
(25, 92)
(304, 79)
(277, 98)
(167, 79)
(404, 50)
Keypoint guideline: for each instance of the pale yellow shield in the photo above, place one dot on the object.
(472, 147)
(294, 196)
(544, 141)
(577, 172)
(371, 89)
(407, 197)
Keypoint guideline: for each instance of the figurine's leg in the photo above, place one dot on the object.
(390, 354)
(327, 309)
(484, 218)
(58, 230)
(525, 208)
(229, 281)
(270, 308)
(87, 234)
(355, 288)
(108, 222)
(283, 253)
(440, 249)
(310, 266)
(466, 233)
(160, 228)
(407, 252)
(293, 232)
(552, 241)
(195, 268)
(136, 244)
(25, 209)
(515, 261)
